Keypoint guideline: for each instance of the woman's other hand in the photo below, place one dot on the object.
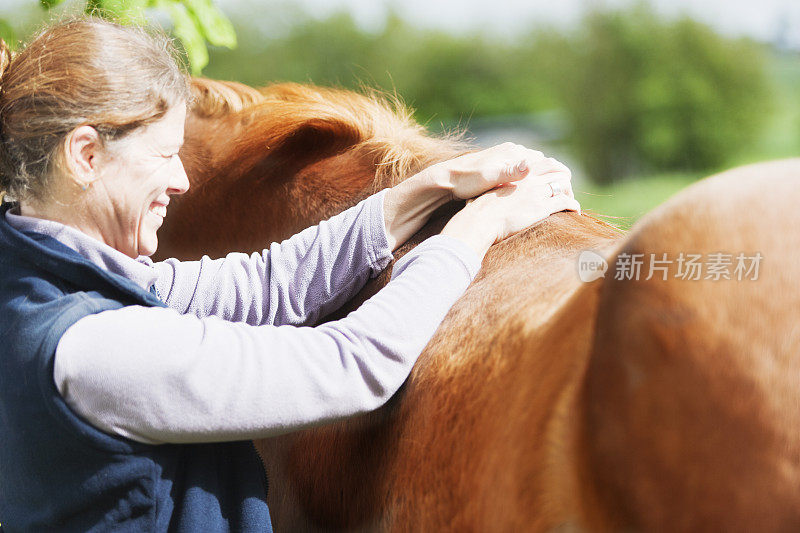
(409, 204)
(510, 208)
(471, 174)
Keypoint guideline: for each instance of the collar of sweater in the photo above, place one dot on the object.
(139, 270)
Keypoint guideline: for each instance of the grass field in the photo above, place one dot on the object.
(631, 199)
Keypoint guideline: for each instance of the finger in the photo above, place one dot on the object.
(562, 202)
(549, 189)
(510, 147)
(550, 165)
(514, 170)
(560, 186)
(519, 168)
(531, 159)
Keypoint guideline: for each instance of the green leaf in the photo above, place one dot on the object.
(214, 25)
(122, 11)
(186, 29)
(93, 7)
(47, 4)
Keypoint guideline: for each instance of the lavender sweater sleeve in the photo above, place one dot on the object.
(293, 282)
(172, 377)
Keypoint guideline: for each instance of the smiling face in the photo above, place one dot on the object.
(134, 177)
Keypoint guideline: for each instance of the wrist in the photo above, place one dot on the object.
(437, 180)
(475, 235)
(409, 204)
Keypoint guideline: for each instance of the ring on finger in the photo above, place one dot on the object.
(557, 188)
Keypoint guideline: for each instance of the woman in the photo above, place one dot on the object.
(129, 389)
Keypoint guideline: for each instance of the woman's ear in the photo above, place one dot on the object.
(82, 148)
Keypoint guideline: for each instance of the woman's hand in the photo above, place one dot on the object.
(409, 204)
(510, 208)
(472, 174)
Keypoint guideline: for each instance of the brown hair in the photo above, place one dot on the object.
(82, 72)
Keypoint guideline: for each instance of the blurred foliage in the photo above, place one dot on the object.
(194, 22)
(631, 93)
(640, 94)
(444, 77)
(8, 34)
(646, 94)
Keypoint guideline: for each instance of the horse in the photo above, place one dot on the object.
(542, 402)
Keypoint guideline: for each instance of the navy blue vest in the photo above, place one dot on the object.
(58, 472)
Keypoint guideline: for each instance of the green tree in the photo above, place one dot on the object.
(444, 77)
(644, 94)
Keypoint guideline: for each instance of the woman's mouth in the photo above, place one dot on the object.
(159, 209)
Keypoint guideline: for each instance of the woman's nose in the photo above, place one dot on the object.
(179, 181)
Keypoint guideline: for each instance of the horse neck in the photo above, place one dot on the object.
(512, 355)
(242, 204)
(556, 345)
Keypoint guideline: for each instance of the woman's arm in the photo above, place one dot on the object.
(316, 271)
(177, 378)
(294, 282)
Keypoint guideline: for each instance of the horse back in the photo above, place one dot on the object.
(694, 384)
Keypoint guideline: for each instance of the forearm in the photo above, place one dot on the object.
(185, 379)
(292, 282)
(409, 205)
(462, 227)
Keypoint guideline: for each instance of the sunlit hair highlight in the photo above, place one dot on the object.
(81, 72)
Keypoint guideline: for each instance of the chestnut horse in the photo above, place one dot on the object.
(541, 402)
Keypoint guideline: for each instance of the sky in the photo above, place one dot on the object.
(761, 19)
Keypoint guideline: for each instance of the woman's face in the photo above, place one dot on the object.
(128, 201)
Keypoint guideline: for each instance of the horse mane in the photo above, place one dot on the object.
(369, 140)
(373, 123)
(216, 98)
